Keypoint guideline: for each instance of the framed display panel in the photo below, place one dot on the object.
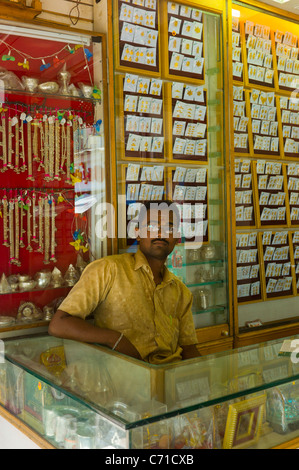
(242, 122)
(265, 119)
(237, 53)
(52, 149)
(141, 113)
(202, 267)
(269, 42)
(289, 118)
(189, 190)
(257, 43)
(249, 272)
(295, 252)
(277, 264)
(244, 194)
(140, 183)
(293, 192)
(286, 57)
(184, 49)
(136, 30)
(188, 125)
(271, 197)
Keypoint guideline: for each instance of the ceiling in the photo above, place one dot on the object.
(291, 6)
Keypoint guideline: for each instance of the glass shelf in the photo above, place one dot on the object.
(35, 290)
(206, 283)
(199, 262)
(215, 308)
(57, 96)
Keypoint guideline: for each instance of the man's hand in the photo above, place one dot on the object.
(190, 351)
(126, 347)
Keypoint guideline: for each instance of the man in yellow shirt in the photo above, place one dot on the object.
(140, 308)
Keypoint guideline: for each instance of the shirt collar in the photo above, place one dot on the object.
(141, 261)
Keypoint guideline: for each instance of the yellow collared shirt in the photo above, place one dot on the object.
(121, 293)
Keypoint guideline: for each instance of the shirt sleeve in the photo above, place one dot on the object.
(91, 289)
(187, 333)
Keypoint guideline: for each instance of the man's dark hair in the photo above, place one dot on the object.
(160, 206)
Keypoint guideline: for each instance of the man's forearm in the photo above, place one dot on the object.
(66, 326)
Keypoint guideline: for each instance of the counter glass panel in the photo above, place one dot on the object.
(247, 397)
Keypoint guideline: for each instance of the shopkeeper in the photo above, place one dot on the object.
(140, 308)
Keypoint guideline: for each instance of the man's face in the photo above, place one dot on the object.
(158, 234)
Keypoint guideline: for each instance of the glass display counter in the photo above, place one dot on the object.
(76, 395)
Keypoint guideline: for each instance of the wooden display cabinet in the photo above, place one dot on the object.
(190, 70)
(260, 34)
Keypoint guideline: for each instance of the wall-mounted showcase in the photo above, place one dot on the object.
(265, 102)
(52, 162)
(169, 127)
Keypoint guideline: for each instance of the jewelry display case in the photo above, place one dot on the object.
(52, 162)
(264, 87)
(170, 127)
(75, 395)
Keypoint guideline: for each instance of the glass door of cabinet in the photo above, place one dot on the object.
(170, 139)
(52, 163)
